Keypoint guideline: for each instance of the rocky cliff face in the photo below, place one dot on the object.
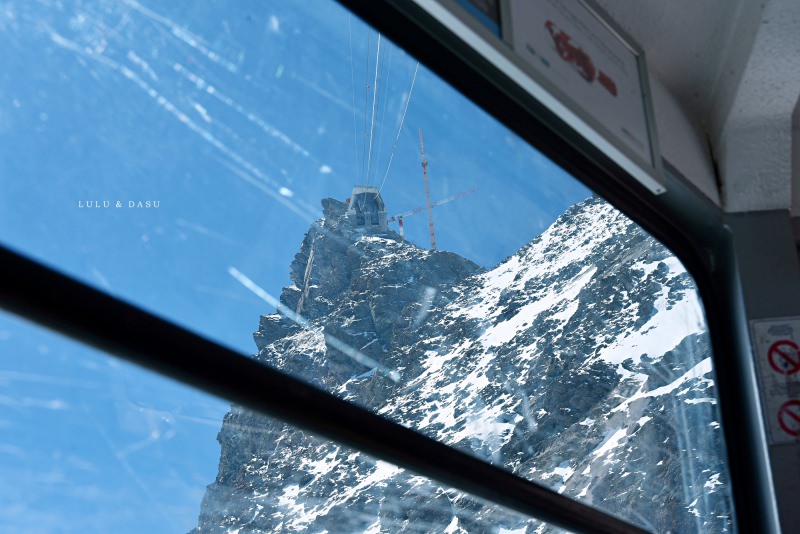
(581, 363)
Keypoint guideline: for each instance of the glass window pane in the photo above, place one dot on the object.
(233, 122)
(92, 444)
(175, 155)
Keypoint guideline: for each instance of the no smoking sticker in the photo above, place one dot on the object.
(789, 417)
(784, 357)
(777, 352)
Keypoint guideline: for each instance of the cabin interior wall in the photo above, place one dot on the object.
(755, 137)
(683, 143)
(769, 275)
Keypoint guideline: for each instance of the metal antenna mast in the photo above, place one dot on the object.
(427, 190)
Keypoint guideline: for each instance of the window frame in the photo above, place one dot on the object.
(687, 223)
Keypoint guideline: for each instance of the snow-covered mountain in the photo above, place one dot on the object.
(581, 362)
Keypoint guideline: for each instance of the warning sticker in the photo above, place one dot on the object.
(784, 357)
(777, 351)
(789, 417)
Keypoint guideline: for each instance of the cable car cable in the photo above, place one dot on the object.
(400, 129)
(353, 85)
(374, 97)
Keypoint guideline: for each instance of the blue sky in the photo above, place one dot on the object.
(236, 119)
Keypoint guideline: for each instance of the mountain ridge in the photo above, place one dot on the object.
(580, 362)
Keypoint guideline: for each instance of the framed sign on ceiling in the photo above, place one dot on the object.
(571, 57)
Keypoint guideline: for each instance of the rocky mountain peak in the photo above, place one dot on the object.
(581, 362)
(366, 289)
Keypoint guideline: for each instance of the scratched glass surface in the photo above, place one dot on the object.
(94, 444)
(234, 122)
(281, 168)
